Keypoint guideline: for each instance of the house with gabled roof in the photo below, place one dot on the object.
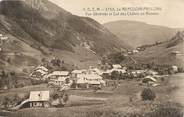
(89, 80)
(59, 78)
(36, 99)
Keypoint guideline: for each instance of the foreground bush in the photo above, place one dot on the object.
(148, 94)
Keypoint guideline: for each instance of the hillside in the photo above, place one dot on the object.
(39, 28)
(170, 52)
(138, 33)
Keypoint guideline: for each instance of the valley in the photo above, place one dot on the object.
(54, 63)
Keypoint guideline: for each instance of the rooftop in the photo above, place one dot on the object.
(59, 73)
(39, 96)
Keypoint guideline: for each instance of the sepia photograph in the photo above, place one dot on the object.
(91, 58)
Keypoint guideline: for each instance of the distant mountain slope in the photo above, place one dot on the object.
(138, 33)
(47, 30)
(170, 52)
(60, 31)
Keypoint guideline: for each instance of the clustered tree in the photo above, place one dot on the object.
(54, 64)
(8, 79)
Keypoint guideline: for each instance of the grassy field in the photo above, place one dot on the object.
(124, 101)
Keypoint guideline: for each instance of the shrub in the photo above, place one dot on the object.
(65, 98)
(148, 94)
(115, 75)
(106, 76)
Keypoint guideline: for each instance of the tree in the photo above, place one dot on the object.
(115, 75)
(148, 94)
(3, 73)
(122, 76)
(106, 76)
(58, 62)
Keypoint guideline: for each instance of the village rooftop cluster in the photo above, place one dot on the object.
(86, 78)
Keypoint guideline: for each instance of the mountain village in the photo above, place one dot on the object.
(57, 64)
(94, 78)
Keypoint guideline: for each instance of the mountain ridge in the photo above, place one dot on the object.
(78, 40)
(169, 52)
(137, 33)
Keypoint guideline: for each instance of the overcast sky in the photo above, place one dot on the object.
(172, 14)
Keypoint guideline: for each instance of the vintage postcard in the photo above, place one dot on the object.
(91, 58)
